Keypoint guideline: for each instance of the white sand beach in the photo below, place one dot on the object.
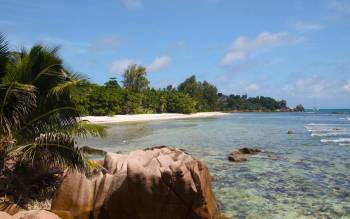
(149, 117)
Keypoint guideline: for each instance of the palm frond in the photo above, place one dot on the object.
(85, 128)
(56, 149)
(55, 120)
(67, 85)
(35, 67)
(4, 50)
(17, 102)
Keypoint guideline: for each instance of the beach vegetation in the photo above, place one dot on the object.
(136, 96)
(38, 116)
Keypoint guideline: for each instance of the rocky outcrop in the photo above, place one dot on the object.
(146, 184)
(299, 108)
(242, 154)
(33, 214)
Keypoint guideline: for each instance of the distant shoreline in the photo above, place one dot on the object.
(149, 117)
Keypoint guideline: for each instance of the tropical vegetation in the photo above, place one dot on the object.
(38, 117)
(41, 102)
(135, 96)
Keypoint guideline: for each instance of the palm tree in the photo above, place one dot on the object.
(37, 116)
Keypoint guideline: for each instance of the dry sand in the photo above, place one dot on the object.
(149, 117)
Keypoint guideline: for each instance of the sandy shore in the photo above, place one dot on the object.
(149, 117)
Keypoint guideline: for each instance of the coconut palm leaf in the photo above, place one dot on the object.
(58, 119)
(3, 55)
(85, 128)
(37, 109)
(17, 102)
(56, 149)
(66, 86)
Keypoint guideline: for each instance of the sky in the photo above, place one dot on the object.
(294, 50)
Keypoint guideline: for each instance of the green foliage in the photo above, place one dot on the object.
(131, 102)
(56, 149)
(204, 93)
(191, 96)
(17, 102)
(154, 101)
(38, 115)
(245, 103)
(4, 55)
(134, 78)
(178, 102)
(92, 99)
(112, 83)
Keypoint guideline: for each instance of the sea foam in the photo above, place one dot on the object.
(339, 140)
(329, 134)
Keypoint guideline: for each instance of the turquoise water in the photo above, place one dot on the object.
(310, 178)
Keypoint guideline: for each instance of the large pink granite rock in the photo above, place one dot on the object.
(146, 184)
(33, 214)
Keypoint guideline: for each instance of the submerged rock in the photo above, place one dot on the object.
(236, 156)
(250, 151)
(242, 154)
(155, 183)
(273, 157)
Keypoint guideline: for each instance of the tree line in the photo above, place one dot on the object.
(134, 95)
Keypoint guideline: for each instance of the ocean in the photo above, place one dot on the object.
(309, 177)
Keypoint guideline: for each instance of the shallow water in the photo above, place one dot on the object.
(310, 178)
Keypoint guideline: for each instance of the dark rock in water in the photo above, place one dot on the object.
(246, 150)
(236, 156)
(299, 108)
(273, 157)
(156, 183)
(290, 131)
(92, 151)
(242, 154)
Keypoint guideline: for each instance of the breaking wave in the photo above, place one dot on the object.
(339, 140)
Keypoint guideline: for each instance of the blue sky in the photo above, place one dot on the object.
(296, 50)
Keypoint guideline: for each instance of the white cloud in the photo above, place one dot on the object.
(309, 90)
(120, 65)
(340, 6)
(65, 44)
(346, 87)
(316, 87)
(132, 4)
(105, 43)
(159, 63)
(253, 87)
(243, 47)
(305, 27)
(233, 56)
(316, 91)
